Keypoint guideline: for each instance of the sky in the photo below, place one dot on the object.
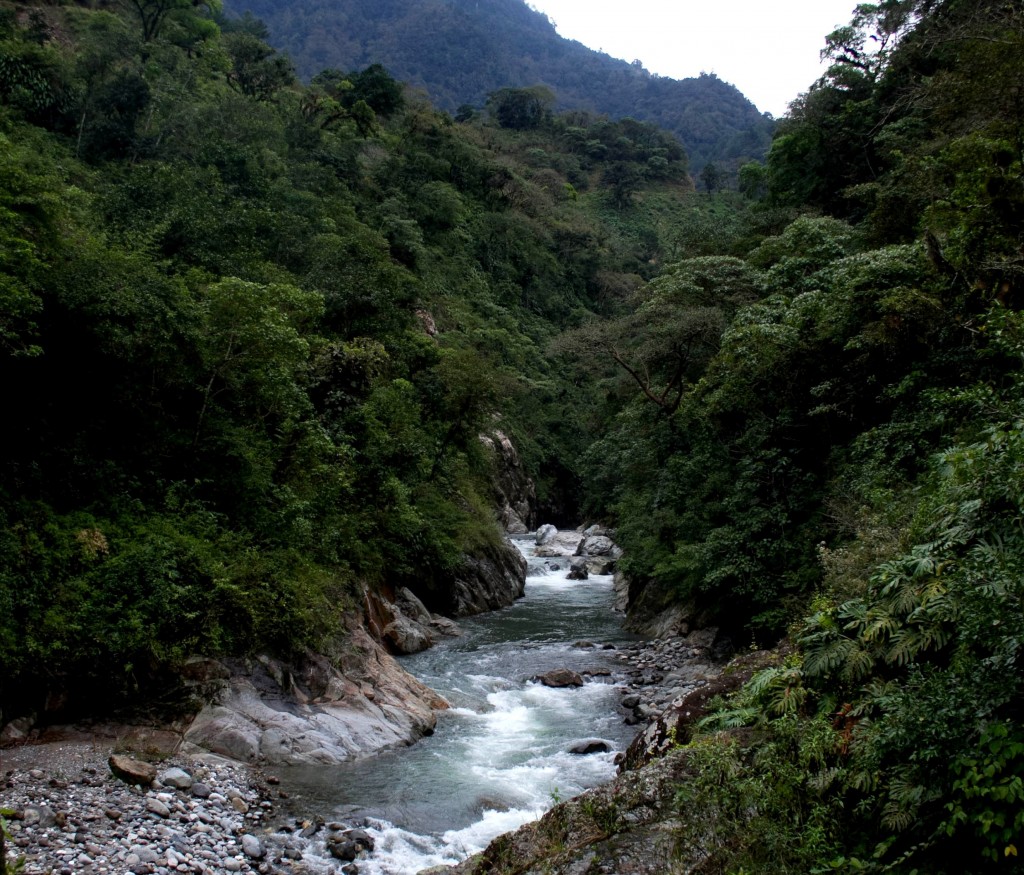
(769, 49)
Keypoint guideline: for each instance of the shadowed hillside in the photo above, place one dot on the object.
(460, 50)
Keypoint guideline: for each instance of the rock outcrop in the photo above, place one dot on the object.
(514, 493)
(488, 581)
(315, 710)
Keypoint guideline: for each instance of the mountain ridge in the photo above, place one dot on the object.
(461, 50)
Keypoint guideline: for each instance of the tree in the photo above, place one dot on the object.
(153, 13)
(257, 70)
(521, 108)
(712, 177)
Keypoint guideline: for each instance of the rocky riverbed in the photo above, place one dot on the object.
(69, 813)
(210, 815)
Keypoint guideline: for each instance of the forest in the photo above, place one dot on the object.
(252, 329)
(460, 51)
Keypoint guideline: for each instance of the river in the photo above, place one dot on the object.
(499, 757)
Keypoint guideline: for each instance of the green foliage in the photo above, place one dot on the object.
(225, 411)
(461, 54)
(762, 807)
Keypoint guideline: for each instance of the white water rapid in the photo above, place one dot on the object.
(499, 757)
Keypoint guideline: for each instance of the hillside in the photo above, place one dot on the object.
(461, 50)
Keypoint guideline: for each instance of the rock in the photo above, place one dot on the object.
(406, 636)
(595, 545)
(444, 626)
(577, 569)
(600, 565)
(252, 847)
(493, 578)
(630, 701)
(344, 850)
(17, 730)
(38, 815)
(361, 838)
(157, 807)
(546, 534)
(200, 790)
(240, 805)
(560, 677)
(621, 827)
(590, 745)
(132, 771)
(411, 606)
(515, 495)
(177, 778)
(315, 710)
(621, 584)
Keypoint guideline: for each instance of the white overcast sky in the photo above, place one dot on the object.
(769, 49)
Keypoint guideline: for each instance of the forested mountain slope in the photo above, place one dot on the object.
(820, 437)
(250, 333)
(461, 50)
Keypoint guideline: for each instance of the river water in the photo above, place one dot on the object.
(499, 757)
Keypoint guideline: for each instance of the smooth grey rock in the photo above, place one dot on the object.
(600, 565)
(252, 847)
(177, 778)
(157, 807)
(595, 545)
(363, 704)
(546, 534)
(407, 636)
(444, 626)
(38, 815)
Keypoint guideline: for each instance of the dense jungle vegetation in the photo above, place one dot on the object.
(824, 438)
(251, 331)
(460, 51)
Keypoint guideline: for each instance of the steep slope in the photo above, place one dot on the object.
(460, 50)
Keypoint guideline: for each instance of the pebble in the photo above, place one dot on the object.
(202, 820)
(660, 672)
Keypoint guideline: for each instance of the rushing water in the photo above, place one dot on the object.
(499, 757)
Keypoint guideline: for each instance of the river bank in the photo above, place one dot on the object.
(510, 736)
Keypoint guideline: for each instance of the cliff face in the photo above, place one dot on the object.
(515, 495)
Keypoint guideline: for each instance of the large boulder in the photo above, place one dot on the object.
(560, 677)
(406, 636)
(316, 710)
(411, 606)
(132, 771)
(600, 564)
(596, 545)
(589, 746)
(546, 534)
